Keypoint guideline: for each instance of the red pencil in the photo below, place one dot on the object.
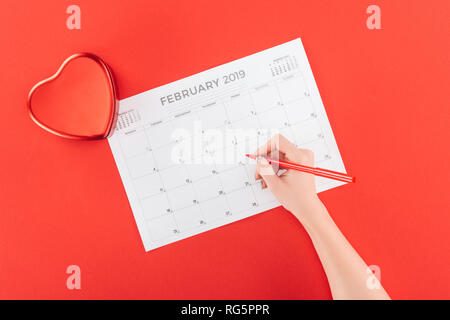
(315, 171)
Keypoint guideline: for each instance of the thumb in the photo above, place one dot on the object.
(266, 171)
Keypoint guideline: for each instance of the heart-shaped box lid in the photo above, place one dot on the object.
(78, 101)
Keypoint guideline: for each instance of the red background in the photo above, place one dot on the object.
(386, 93)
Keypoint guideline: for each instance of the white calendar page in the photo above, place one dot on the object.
(167, 141)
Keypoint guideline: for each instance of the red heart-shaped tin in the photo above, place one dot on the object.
(78, 101)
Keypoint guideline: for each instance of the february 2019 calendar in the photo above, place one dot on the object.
(180, 148)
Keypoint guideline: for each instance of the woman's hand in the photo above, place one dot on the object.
(295, 190)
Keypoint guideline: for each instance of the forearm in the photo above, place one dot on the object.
(296, 191)
(345, 269)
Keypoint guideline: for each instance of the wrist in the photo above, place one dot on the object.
(312, 214)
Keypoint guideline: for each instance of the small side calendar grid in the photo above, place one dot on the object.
(165, 215)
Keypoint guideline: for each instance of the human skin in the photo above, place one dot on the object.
(346, 271)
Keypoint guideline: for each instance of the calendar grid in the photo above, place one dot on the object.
(219, 101)
(259, 125)
(228, 212)
(162, 183)
(176, 192)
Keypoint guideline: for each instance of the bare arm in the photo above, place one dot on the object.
(345, 269)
